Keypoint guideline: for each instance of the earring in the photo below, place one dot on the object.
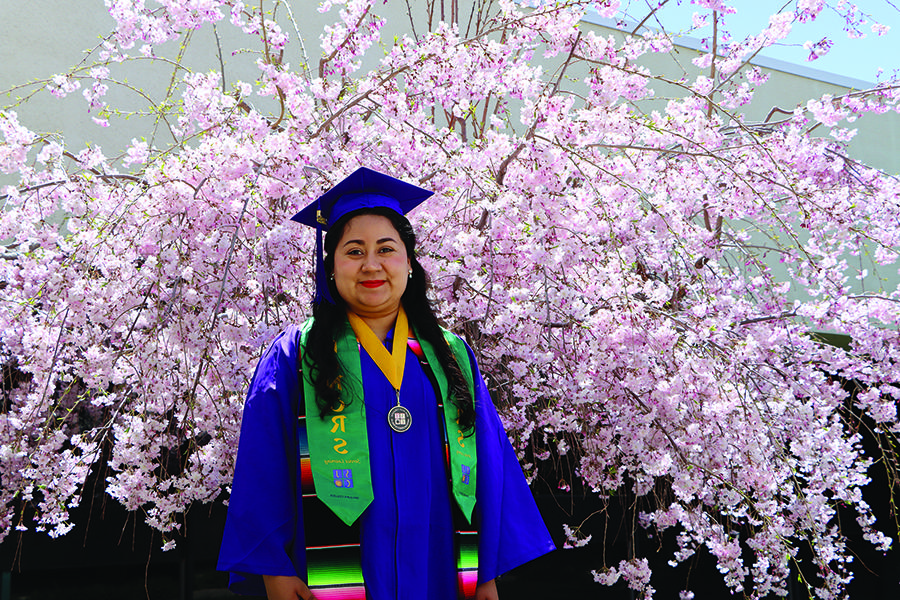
(332, 277)
(410, 273)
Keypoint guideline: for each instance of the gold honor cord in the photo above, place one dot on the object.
(392, 365)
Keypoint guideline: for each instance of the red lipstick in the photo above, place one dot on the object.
(372, 283)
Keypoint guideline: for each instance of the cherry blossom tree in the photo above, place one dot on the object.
(641, 275)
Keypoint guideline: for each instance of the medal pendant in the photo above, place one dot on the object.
(399, 419)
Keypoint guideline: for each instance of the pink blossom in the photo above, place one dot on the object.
(15, 142)
(880, 29)
(137, 153)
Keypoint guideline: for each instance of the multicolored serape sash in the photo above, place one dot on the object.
(466, 538)
(334, 570)
(333, 566)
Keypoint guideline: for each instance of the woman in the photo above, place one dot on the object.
(398, 453)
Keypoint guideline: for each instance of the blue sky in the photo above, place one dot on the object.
(855, 58)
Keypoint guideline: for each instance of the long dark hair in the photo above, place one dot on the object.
(320, 357)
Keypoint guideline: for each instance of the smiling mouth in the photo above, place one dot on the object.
(372, 283)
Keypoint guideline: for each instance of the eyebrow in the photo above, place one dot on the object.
(380, 241)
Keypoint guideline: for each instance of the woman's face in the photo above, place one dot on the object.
(371, 266)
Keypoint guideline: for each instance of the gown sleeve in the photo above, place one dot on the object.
(264, 530)
(511, 531)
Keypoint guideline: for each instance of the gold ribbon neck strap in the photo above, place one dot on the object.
(392, 364)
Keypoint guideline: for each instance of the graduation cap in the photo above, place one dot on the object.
(364, 188)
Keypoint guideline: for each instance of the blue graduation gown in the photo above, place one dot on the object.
(407, 532)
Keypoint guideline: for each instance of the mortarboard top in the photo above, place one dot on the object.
(364, 188)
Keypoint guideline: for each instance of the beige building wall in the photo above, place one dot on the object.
(40, 38)
(877, 142)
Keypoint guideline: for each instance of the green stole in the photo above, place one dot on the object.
(339, 443)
